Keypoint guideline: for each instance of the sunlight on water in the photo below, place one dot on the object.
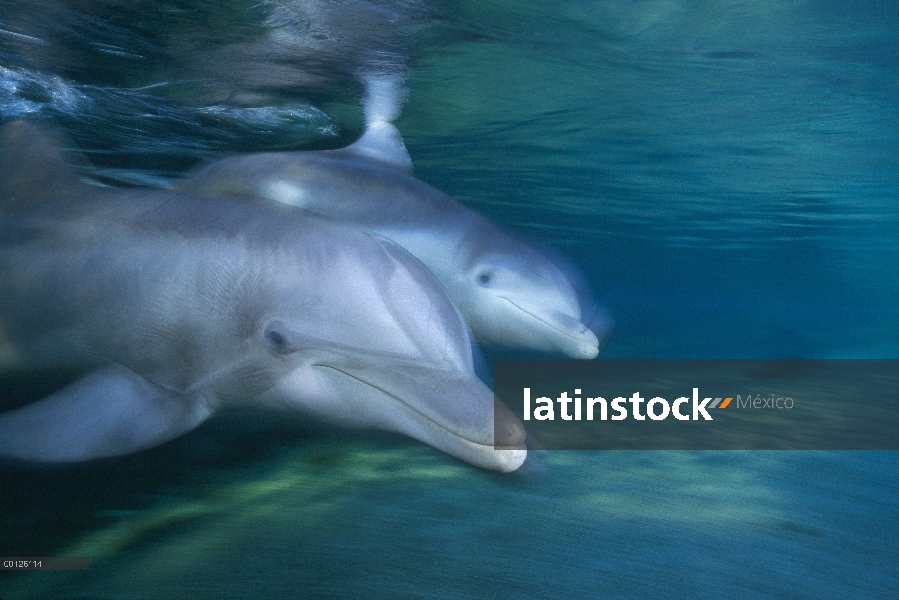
(395, 510)
(688, 489)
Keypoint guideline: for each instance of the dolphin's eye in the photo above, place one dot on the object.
(485, 277)
(275, 340)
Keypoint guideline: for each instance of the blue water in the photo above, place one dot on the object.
(726, 177)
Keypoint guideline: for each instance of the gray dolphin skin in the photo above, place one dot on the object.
(178, 305)
(511, 295)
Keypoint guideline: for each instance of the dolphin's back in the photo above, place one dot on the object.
(87, 272)
(337, 184)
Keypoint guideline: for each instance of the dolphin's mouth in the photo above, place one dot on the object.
(423, 416)
(425, 428)
(548, 324)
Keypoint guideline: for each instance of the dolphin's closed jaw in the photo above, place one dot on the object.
(510, 451)
(495, 439)
(459, 416)
(567, 334)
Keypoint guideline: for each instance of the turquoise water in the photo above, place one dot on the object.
(724, 174)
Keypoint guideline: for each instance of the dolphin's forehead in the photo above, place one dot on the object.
(528, 270)
(488, 246)
(370, 295)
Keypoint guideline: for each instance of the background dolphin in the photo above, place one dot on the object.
(510, 294)
(180, 305)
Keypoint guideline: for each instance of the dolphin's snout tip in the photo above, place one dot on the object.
(586, 343)
(510, 460)
(572, 337)
(590, 347)
(508, 430)
(509, 435)
(589, 352)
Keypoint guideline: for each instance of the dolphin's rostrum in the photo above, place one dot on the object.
(179, 305)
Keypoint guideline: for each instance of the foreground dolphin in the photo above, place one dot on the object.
(510, 295)
(180, 305)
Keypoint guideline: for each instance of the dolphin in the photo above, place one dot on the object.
(177, 305)
(511, 295)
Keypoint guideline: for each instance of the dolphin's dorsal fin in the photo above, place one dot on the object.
(382, 141)
(32, 164)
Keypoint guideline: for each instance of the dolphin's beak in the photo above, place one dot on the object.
(581, 342)
(454, 414)
(564, 333)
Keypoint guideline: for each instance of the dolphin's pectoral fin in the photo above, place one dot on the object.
(109, 412)
(382, 141)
